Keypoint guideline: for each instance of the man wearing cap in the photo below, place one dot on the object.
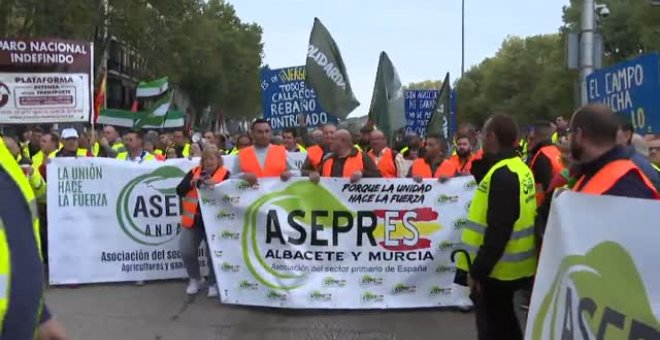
(70, 145)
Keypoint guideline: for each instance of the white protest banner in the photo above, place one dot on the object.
(111, 220)
(45, 81)
(598, 275)
(375, 244)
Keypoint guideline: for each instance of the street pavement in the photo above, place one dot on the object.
(162, 311)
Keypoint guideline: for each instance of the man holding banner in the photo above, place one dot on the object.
(345, 161)
(263, 159)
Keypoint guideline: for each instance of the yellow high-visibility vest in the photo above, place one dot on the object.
(124, 156)
(519, 258)
(12, 168)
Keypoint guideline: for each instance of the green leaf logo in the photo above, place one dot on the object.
(300, 195)
(447, 199)
(368, 280)
(371, 297)
(319, 296)
(248, 285)
(435, 290)
(332, 282)
(403, 289)
(137, 213)
(597, 296)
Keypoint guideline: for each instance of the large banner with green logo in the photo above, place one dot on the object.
(113, 221)
(373, 244)
(598, 276)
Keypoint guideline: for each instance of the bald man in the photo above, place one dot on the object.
(390, 163)
(316, 153)
(344, 160)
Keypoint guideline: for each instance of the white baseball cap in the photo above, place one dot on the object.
(69, 133)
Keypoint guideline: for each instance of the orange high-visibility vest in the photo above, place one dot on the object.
(461, 168)
(608, 176)
(422, 169)
(386, 163)
(274, 164)
(190, 202)
(554, 155)
(315, 155)
(352, 165)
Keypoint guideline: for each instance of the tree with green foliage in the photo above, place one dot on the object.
(526, 78)
(631, 29)
(202, 46)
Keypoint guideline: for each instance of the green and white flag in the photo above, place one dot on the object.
(326, 73)
(387, 106)
(153, 88)
(439, 121)
(156, 111)
(173, 119)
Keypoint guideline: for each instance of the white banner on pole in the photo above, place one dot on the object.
(45, 81)
(112, 221)
(598, 275)
(375, 244)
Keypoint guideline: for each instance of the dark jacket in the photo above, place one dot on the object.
(370, 170)
(307, 166)
(27, 279)
(645, 165)
(184, 187)
(629, 185)
(503, 211)
(542, 168)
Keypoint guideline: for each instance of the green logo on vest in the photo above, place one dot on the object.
(597, 296)
(148, 207)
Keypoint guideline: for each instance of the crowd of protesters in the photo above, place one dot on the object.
(595, 151)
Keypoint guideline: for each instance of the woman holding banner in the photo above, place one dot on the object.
(210, 172)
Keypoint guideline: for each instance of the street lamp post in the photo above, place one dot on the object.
(462, 37)
(587, 46)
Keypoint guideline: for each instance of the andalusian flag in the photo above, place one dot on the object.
(152, 89)
(155, 98)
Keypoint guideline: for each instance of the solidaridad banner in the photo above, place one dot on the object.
(374, 244)
(113, 221)
(597, 276)
(45, 81)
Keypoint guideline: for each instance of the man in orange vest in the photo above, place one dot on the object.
(434, 164)
(316, 153)
(544, 158)
(345, 160)
(390, 163)
(462, 159)
(263, 159)
(605, 167)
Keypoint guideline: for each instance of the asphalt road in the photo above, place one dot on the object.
(162, 311)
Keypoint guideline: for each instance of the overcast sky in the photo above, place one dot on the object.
(422, 37)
